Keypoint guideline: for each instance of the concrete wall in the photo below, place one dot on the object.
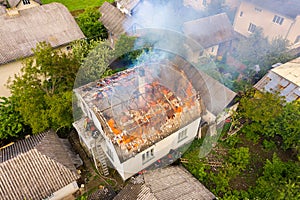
(6, 71)
(161, 149)
(64, 192)
(294, 31)
(261, 18)
(12, 68)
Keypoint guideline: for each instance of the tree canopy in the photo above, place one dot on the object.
(42, 93)
(90, 25)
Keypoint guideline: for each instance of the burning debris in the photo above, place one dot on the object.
(142, 105)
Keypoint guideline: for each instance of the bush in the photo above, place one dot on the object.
(269, 145)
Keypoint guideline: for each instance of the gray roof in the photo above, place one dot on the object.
(210, 31)
(35, 168)
(128, 4)
(289, 8)
(52, 23)
(112, 18)
(215, 95)
(173, 182)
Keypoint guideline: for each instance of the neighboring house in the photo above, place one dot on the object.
(116, 22)
(163, 184)
(284, 79)
(212, 33)
(23, 26)
(127, 6)
(37, 168)
(140, 115)
(277, 18)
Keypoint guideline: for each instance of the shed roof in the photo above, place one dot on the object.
(172, 182)
(35, 168)
(290, 71)
(289, 8)
(112, 18)
(52, 23)
(210, 31)
(128, 4)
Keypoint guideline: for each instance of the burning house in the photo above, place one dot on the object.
(138, 116)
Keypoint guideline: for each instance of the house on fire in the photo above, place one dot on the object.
(38, 167)
(26, 23)
(142, 114)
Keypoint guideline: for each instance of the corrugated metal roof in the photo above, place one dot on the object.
(290, 71)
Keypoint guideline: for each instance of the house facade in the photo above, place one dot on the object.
(143, 114)
(211, 33)
(26, 24)
(284, 79)
(138, 116)
(276, 18)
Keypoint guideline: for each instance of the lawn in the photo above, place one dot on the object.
(73, 5)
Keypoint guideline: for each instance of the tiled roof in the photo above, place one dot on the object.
(52, 23)
(113, 19)
(210, 31)
(128, 4)
(172, 182)
(35, 168)
(289, 8)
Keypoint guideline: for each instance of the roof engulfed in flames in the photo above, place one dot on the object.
(142, 105)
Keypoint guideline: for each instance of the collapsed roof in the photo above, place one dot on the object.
(142, 105)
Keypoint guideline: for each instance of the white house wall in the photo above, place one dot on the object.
(64, 192)
(161, 149)
(261, 18)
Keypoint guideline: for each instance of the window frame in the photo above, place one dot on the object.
(251, 28)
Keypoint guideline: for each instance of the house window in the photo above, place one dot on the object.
(251, 28)
(148, 155)
(110, 154)
(212, 49)
(26, 2)
(182, 135)
(241, 13)
(278, 20)
(257, 9)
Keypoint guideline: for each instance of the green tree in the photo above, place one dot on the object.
(260, 111)
(90, 25)
(239, 157)
(278, 176)
(11, 122)
(95, 58)
(258, 50)
(42, 91)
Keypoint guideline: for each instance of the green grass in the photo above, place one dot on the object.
(73, 5)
